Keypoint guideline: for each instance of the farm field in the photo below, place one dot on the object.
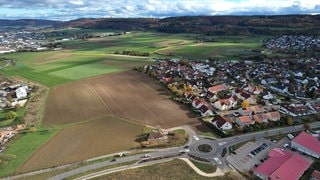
(105, 135)
(128, 95)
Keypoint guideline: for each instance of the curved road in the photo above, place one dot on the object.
(160, 155)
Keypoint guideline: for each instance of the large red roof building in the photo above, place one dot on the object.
(307, 143)
(282, 164)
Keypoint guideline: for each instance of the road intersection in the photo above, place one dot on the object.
(161, 155)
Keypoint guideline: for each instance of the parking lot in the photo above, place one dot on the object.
(243, 161)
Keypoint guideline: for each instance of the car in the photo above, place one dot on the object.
(236, 114)
(285, 145)
(217, 160)
(147, 155)
(184, 150)
(273, 140)
(290, 136)
(186, 146)
(113, 160)
(196, 138)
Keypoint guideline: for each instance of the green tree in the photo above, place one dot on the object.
(11, 115)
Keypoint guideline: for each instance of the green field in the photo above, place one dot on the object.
(26, 144)
(91, 57)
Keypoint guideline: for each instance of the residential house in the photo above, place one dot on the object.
(282, 164)
(251, 110)
(22, 92)
(205, 110)
(221, 123)
(307, 143)
(217, 88)
(260, 118)
(315, 175)
(226, 104)
(197, 103)
(244, 121)
(274, 116)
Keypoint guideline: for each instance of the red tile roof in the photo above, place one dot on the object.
(316, 174)
(283, 165)
(245, 119)
(308, 141)
(217, 88)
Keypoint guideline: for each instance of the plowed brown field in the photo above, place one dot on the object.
(74, 143)
(109, 112)
(130, 95)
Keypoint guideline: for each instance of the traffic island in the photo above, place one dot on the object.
(205, 148)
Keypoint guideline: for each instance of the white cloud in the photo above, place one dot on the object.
(70, 9)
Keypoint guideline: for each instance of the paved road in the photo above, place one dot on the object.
(194, 142)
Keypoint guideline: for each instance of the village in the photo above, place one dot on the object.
(13, 97)
(22, 40)
(244, 95)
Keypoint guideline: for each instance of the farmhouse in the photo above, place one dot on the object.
(307, 143)
(282, 165)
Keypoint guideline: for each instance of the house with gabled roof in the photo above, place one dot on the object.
(244, 120)
(217, 88)
(205, 110)
(197, 103)
(274, 116)
(221, 123)
(251, 110)
(226, 104)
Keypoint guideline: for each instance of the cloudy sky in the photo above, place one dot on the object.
(73, 9)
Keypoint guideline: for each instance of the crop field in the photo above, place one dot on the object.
(73, 102)
(128, 95)
(54, 68)
(98, 137)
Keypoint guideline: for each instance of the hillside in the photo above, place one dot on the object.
(27, 22)
(217, 25)
(245, 25)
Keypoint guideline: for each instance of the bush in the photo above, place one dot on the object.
(11, 115)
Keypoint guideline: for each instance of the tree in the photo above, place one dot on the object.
(289, 120)
(11, 115)
(245, 104)
(306, 126)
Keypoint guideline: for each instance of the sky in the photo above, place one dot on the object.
(74, 9)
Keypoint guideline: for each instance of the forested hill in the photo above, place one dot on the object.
(219, 25)
(28, 22)
(208, 24)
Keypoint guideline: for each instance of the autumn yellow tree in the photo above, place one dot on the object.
(245, 104)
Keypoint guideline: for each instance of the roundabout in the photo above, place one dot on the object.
(205, 148)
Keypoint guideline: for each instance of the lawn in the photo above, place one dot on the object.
(24, 146)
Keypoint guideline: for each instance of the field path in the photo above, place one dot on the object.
(218, 172)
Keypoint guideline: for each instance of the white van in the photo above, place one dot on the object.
(290, 136)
